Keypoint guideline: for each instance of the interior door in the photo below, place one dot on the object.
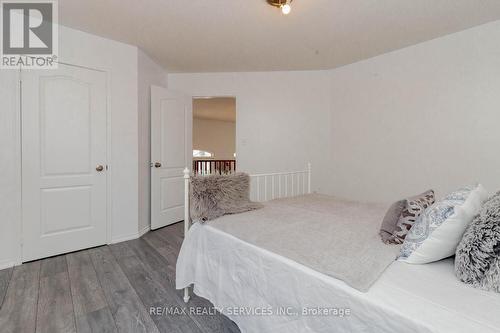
(63, 160)
(171, 152)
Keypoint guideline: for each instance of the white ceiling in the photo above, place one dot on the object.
(215, 108)
(250, 35)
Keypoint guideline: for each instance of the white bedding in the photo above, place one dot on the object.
(318, 231)
(421, 298)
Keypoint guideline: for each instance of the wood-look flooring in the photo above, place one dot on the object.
(115, 288)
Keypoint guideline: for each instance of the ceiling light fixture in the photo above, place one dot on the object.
(284, 5)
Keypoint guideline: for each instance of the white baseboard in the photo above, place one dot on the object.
(8, 263)
(144, 230)
(125, 238)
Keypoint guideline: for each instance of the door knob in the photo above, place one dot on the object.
(157, 165)
(99, 168)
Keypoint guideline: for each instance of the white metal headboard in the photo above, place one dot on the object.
(270, 186)
(263, 187)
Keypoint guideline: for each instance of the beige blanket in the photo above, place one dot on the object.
(330, 235)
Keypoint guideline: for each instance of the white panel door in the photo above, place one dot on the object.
(63, 160)
(171, 152)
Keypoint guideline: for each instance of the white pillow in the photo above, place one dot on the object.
(438, 231)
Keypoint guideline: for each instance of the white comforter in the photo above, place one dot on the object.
(333, 236)
(239, 277)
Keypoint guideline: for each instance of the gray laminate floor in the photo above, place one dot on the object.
(125, 287)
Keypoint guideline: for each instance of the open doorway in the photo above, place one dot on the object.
(214, 135)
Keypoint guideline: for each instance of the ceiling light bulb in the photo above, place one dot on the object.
(286, 8)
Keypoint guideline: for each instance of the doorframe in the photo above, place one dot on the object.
(235, 123)
(19, 167)
(19, 162)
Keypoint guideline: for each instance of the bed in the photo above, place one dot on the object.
(263, 291)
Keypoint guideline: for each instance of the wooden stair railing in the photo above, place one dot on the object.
(210, 167)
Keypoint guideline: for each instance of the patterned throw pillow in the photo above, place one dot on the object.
(390, 221)
(439, 229)
(415, 206)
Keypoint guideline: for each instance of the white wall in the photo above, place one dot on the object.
(120, 63)
(149, 73)
(282, 117)
(215, 136)
(427, 116)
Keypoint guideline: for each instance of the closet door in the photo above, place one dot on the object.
(63, 160)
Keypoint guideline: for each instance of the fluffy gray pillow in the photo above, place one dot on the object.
(216, 195)
(477, 260)
(390, 221)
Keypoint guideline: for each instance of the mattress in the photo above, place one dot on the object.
(265, 292)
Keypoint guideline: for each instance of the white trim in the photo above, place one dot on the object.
(125, 238)
(109, 168)
(8, 263)
(19, 167)
(144, 230)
